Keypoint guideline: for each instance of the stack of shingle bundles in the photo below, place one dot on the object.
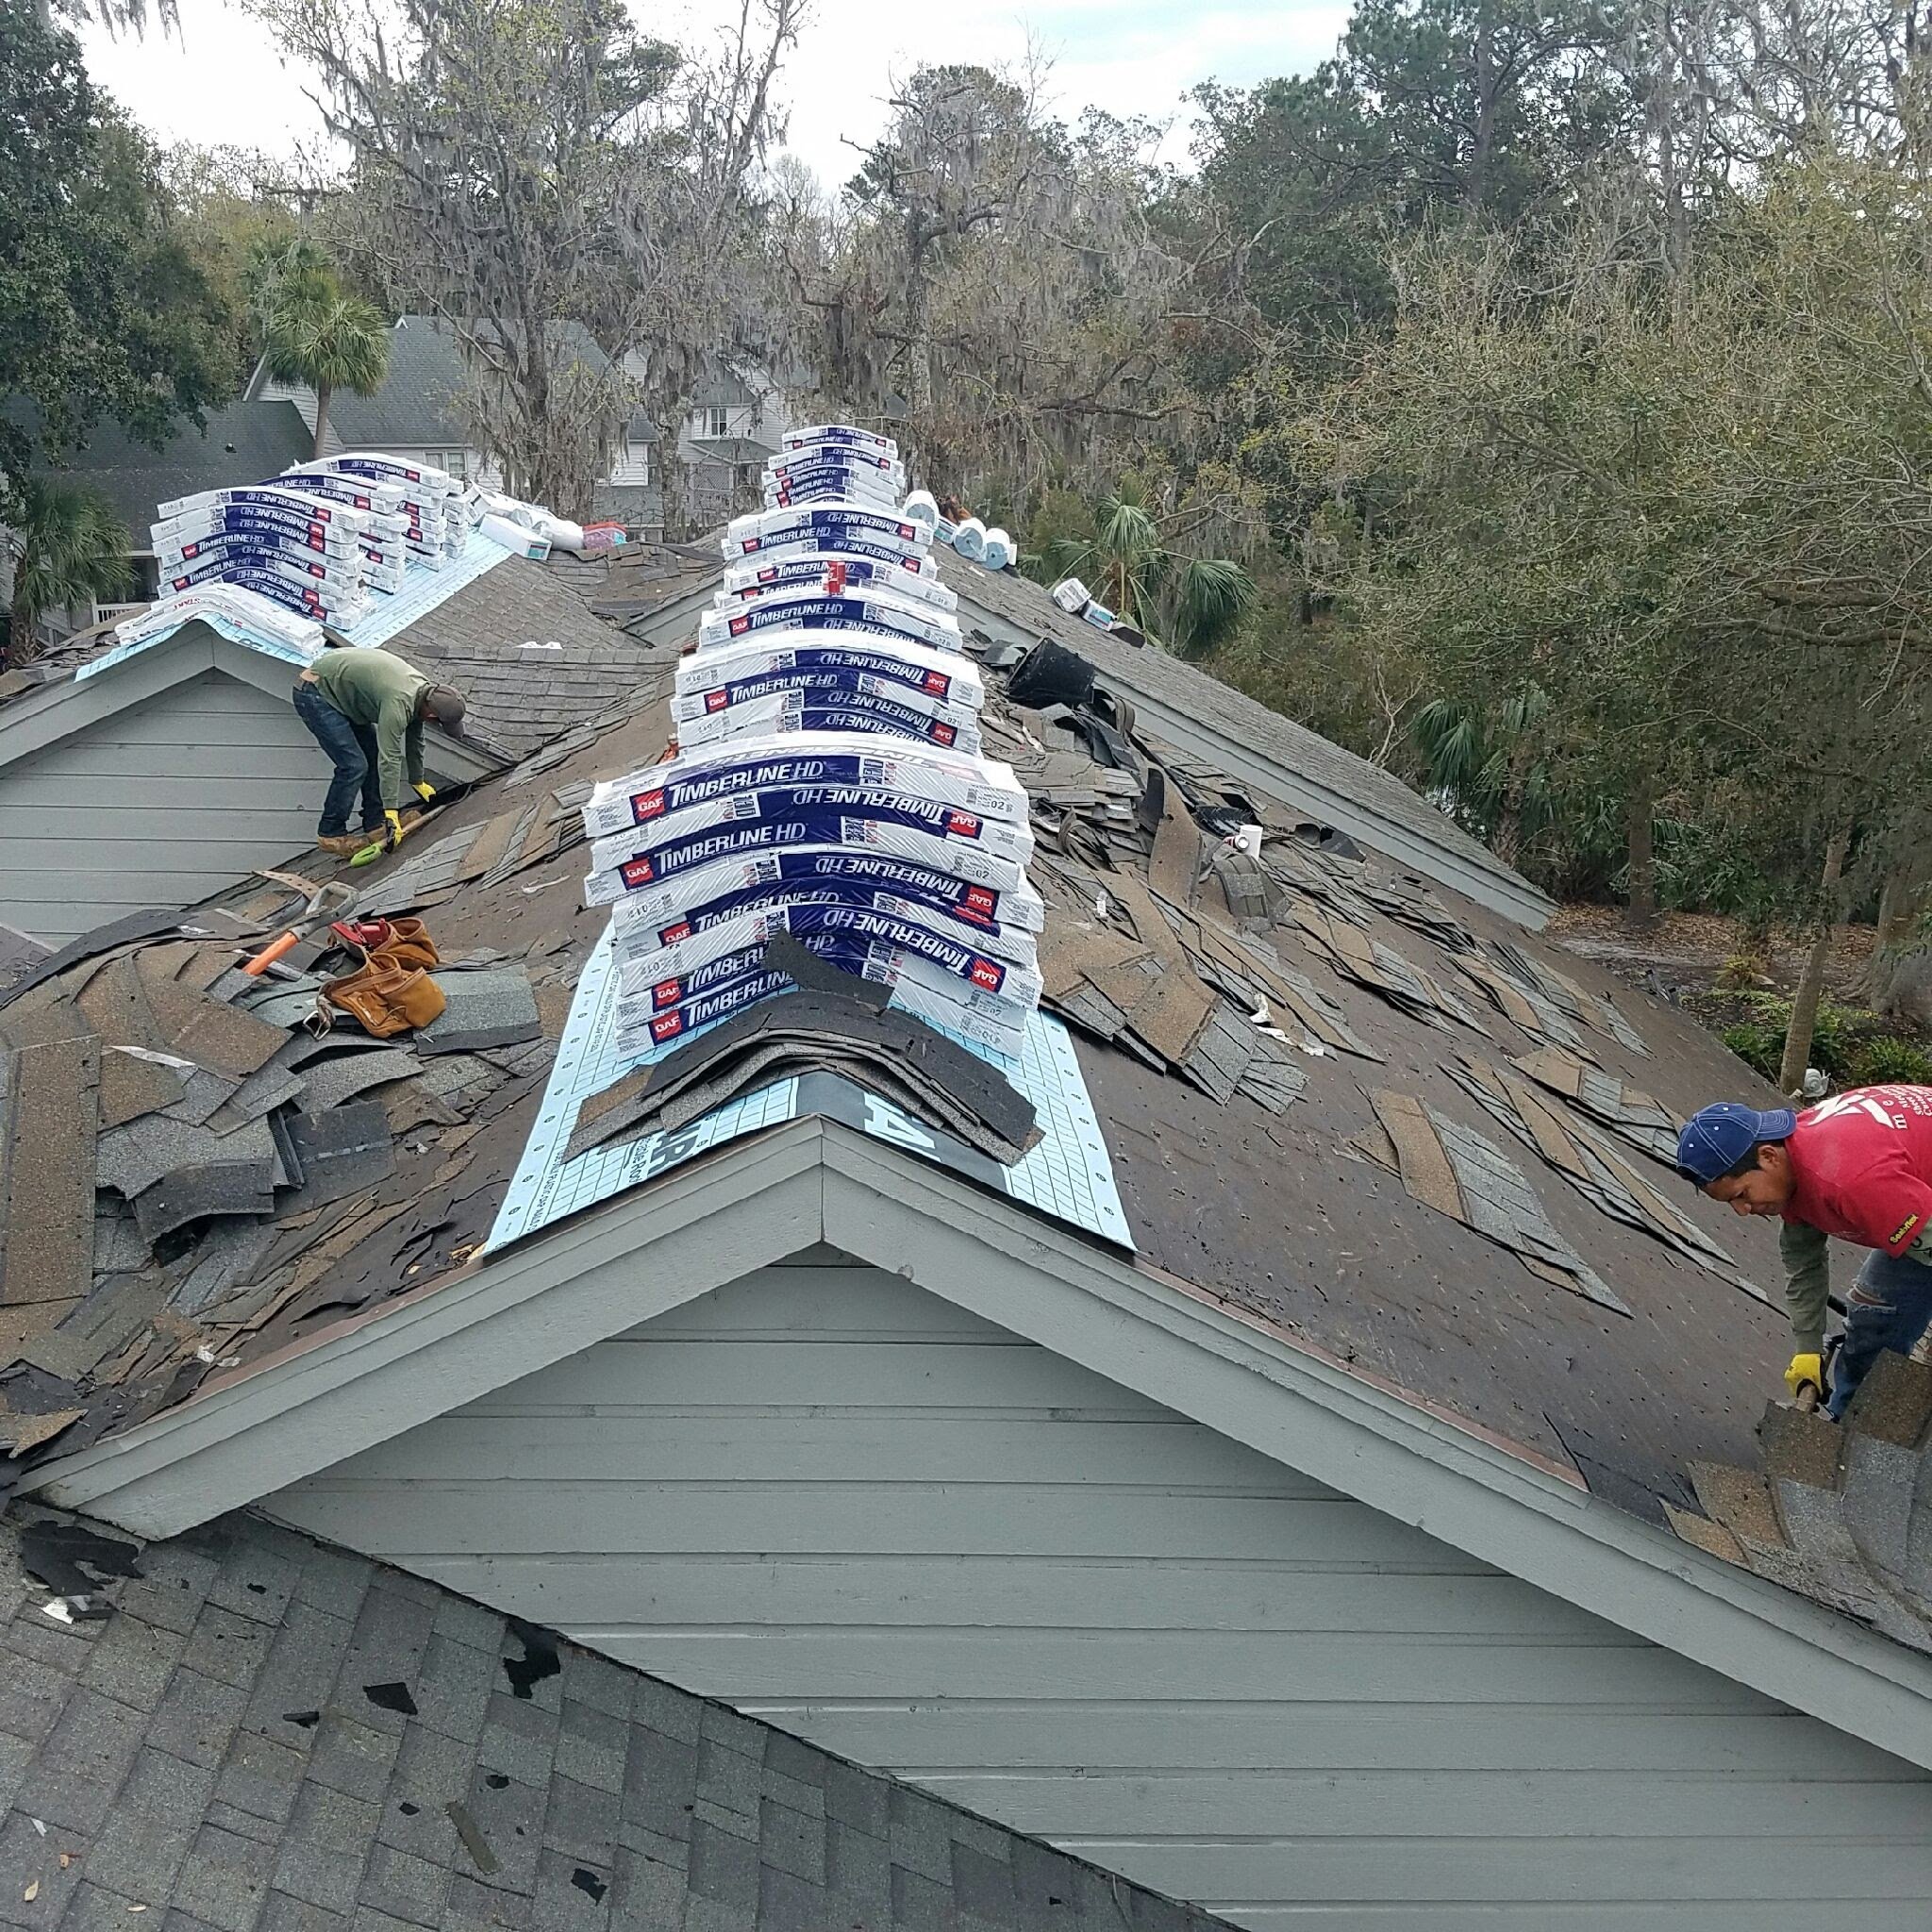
(432, 500)
(301, 552)
(896, 859)
(385, 540)
(836, 472)
(828, 782)
(223, 603)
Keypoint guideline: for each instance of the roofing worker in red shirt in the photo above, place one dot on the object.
(1857, 1166)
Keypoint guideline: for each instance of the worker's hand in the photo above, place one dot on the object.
(425, 792)
(1806, 1371)
(393, 830)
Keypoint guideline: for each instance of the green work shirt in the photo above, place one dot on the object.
(371, 688)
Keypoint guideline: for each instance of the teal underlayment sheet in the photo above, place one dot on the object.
(1068, 1174)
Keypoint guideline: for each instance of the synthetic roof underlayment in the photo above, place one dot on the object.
(1364, 1117)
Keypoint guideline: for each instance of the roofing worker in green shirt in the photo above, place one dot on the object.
(367, 709)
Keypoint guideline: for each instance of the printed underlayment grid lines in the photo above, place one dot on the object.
(388, 614)
(1068, 1174)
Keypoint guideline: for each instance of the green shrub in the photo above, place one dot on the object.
(1885, 1060)
(1758, 1046)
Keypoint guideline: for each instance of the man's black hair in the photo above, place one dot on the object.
(1746, 1161)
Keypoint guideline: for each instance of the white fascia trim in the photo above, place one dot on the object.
(760, 1200)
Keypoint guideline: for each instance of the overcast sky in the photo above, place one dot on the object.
(222, 81)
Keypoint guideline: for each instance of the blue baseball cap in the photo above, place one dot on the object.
(1717, 1136)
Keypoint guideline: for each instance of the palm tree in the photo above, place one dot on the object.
(70, 548)
(1489, 762)
(314, 333)
(1194, 601)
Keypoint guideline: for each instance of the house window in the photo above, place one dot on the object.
(746, 476)
(456, 461)
(717, 421)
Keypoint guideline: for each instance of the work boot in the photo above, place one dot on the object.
(343, 844)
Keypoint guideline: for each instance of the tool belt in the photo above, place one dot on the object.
(392, 992)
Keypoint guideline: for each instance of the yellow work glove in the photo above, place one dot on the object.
(1806, 1371)
(425, 792)
(394, 834)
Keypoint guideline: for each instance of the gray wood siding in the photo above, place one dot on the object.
(159, 804)
(841, 1504)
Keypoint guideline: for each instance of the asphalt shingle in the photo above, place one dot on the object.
(210, 1751)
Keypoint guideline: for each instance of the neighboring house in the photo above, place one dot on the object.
(413, 417)
(165, 775)
(242, 443)
(1321, 1484)
(732, 427)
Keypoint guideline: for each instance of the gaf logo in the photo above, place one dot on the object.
(191, 550)
(938, 683)
(361, 501)
(637, 871)
(667, 993)
(751, 543)
(670, 934)
(944, 733)
(989, 973)
(646, 806)
(907, 530)
(667, 1026)
(767, 576)
(981, 899)
(716, 699)
(739, 625)
(962, 825)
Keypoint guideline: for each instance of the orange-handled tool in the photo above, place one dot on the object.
(313, 915)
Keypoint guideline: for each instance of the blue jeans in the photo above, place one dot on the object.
(1889, 1307)
(352, 748)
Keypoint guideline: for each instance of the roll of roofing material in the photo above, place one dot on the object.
(970, 789)
(816, 613)
(969, 539)
(923, 507)
(814, 571)
(998, 551)
(515, 538)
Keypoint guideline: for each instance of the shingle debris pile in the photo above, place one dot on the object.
(175, 1128)
(1839, 1511)
(244, 1730)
